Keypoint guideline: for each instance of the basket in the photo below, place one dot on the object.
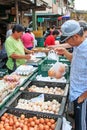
(63, 86)
(28, 114)
(47, 97)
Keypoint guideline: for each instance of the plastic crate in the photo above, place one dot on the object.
(47, 97)
(46, 64)
(28, 114)
(63, 86)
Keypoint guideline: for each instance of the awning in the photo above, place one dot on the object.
(66, 17)
(60, 18)
(63, 17)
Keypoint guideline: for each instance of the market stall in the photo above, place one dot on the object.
(35, 99)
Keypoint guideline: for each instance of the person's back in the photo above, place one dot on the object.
(50, 40)
(27, 39)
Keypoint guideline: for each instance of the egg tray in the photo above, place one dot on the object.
(34, 63)
(40, 84)
(29, 95)
(28, 114)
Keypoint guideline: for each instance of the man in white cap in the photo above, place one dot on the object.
(73, 34)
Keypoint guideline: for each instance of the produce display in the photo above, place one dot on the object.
(12, 122)
(45, 106)
(46, 89)
(45, 100)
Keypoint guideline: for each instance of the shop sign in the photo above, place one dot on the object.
(40, 19)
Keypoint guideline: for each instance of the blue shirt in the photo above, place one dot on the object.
(78, 73)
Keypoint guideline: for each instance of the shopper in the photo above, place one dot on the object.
(53, 28)
(15, 49)
(28, 39)
(50, 40)
(47, 33)
(78, 73)
(9, 30)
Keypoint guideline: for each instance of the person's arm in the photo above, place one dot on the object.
(16, 56)
(82, 97)
(65, 52)
(65, 45)
(28, 51)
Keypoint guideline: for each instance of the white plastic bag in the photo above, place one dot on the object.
(66, 124)
(52, 55)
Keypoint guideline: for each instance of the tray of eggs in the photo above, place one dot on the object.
(40, 103)
(47, 87)
(24, 120)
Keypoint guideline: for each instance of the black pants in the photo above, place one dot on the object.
(80, 111)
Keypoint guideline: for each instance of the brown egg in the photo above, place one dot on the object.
(34, 118)
(46, 127)
(49, 123)
(30, 119)
(62, 68)
(41, 127)
(51, 72)
(37, 121)
(53, 126)
(22, 116)
(46, 120)
(41, 120)
(52, 121)
(32, 123)
(58, 75)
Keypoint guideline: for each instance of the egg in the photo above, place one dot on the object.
(58, 75)
(62, 68)
(32, 123)
(41, 127)
(51, 72)
(41, 120)
(52, 121)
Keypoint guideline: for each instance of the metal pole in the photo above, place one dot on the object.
(16, 7)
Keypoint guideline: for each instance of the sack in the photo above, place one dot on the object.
(66, 124)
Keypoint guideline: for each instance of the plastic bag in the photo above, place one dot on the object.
(66, 124)
(57, 71)
(52, 55)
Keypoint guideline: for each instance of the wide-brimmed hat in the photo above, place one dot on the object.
(69, 28)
